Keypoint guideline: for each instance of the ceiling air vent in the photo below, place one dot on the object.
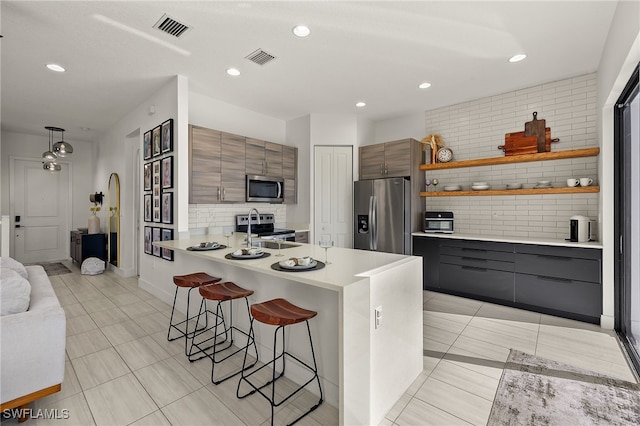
(260, 57)
(170, 26)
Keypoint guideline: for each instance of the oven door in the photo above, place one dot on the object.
(265, 189)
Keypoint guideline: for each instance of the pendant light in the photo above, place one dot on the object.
(62, 148)
(49, 156)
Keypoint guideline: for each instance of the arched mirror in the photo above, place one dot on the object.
(113, 220)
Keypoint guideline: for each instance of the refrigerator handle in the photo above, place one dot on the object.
(373, 214)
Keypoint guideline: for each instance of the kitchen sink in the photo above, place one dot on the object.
(272, 244)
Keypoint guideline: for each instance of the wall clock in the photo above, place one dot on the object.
(444, 155)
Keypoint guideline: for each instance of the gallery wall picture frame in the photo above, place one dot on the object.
(157, 214)
(147, 176)
(167, 136)
(156, 236)
(167, 172)
(156, 141)
(167, 234)
(146, 145)
(167, 207)
(148, 208)
(147, 240)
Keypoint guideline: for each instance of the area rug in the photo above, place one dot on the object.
(537, 391)
(54, 268)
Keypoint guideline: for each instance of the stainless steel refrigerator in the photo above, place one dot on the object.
(382, 213)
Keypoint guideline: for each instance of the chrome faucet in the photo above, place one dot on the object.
(249, 245)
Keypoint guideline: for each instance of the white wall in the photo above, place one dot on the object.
(113, 158)
(299, 135)
(475, 129)
(82, 159)
(407, 126)
(620, 56)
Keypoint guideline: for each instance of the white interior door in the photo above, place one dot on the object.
(333, 194)
(42, 201)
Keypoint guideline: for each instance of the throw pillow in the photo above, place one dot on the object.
(10, 263)
(15, 292)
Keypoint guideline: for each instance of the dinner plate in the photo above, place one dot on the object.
(246, 256)
(312, 264)
(319, 265)
(198, 248)
(452, 188)
(480, 188)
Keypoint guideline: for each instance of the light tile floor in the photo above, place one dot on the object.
(120, 369)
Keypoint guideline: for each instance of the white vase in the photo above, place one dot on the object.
(94, 224)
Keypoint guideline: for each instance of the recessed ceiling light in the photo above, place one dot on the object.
(360, 104)
(233, 71)
(424, 85)
(517, 58)
(55, 67)
(301, 30)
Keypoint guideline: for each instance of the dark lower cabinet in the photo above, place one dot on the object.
(85, 245)
(563, 281)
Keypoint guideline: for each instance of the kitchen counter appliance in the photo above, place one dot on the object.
(581, 229)
(265, 229)
(382, 209)
(438, 222)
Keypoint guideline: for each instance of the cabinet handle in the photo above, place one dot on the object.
(549, 256)
(218, 193)
(562, 280)
(475, 259)
(224, 193)
(475, 268)
(472, 249)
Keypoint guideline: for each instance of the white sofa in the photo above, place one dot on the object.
(32, 346)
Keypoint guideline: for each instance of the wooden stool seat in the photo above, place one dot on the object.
(224, 291)
(196, 279)
(280, 312)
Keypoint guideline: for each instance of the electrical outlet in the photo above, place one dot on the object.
(378, 317)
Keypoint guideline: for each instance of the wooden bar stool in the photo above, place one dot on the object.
(189, 281)
(222, 292)
(281, 313)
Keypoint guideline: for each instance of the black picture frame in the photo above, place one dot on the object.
(156, 236)
(155, 141)
(148, 248)
(167, 207)
(146, 145)
(147, 176)
(167, 136)
(167, 234)
(167, 172)
(157, 215)
(148, 208)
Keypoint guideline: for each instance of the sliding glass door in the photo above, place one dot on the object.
(627, 124)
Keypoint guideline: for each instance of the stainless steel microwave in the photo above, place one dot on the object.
(265, 189)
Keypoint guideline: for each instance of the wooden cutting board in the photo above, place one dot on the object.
(517, 143)
(536, 128)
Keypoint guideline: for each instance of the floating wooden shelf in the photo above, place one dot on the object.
(544, 156)
(529, 191)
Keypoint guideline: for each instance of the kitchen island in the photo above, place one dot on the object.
(364, 368)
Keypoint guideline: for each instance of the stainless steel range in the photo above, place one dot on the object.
(265, 229)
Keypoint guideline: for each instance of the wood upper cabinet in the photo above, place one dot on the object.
(290, 173)
(233, 168)
(372, 161)
(204, 165)
(263, 158)
(273, 159)
(390, 159)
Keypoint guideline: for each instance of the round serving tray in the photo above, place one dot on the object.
(247, 257)
(276, 266)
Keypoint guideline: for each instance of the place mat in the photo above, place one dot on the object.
(231, 256)
(534, 390)
(194, 248)
(276, 266)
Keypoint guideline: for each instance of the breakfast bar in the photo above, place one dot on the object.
(368, 331)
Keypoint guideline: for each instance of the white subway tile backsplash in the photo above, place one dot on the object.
(475, 129)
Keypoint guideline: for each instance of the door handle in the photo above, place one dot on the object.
(17, 225)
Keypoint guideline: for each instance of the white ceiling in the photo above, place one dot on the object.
(374, 51)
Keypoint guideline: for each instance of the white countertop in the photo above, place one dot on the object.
(518, 240)
(347, 266)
